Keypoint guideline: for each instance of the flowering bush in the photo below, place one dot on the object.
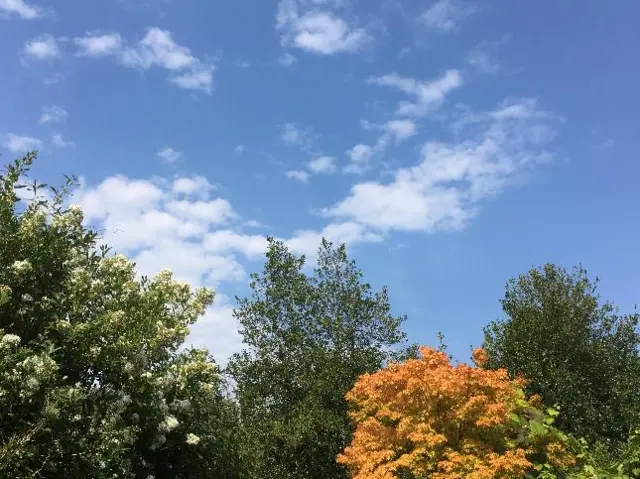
(93, 381)
(427, 418)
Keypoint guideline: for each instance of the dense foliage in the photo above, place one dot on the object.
(309, 338)
(95, 379)
(92, 381)
(428, 418)
(577, 352)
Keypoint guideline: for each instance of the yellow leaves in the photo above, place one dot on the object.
(430, 418)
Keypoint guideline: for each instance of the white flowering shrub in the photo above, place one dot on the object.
(93, 380)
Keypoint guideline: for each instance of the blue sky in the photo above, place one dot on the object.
(452, 144)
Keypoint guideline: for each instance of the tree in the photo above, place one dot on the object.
(577, 353)
(309, 338)
(93, 380)
(427, 418)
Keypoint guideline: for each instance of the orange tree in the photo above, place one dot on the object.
(428, 418)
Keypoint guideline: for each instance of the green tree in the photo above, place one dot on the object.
(309, 338)
(576, 350)
(93, 378)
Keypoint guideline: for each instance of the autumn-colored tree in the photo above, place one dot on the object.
(428, 418)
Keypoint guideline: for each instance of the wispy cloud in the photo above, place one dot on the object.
(303, 137)
(21, 8)
(53, 79)
(323, 164)
(96, 44)
(21, 144)
(44, 47)
(53, 114)
(59, 142)
(429, 95)
(444, 16)
(482, 57)
(321, 31)
(287, 59)
(608, 143)
(298, 175)
(240, 149)
(445, 189)
(156, 49)
(394, 131)
(169, 155)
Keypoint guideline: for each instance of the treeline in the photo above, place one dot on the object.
(95, 380)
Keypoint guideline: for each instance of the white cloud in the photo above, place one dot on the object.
(360, 153)
(197, 78)
(214, 211)
(444, 16)
(298, 175)
(429, 95)
(197, 186)
(393, 131)
(169, 155)
(287, 59)
(307, 241)
(240, 149)
(53, 114)
(218, 331)
(445, 189)
(21, 144)
(401, 129)
(295, 135)
(96, 44)
(359, 157)
(322, 32)
(481, 57)
(292, 134)
(156, 49)
(323, 164)
(228, 241)
(21, 8)
(44, 47)
(59, 142)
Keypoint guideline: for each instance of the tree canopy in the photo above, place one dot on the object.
(427, 418)
(309, 338)
(577, 352)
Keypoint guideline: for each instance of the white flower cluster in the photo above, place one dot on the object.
(9, 341)
(70, 220)
(22, 268)
(169, 424)
(192, 439)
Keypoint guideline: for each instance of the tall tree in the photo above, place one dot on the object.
(577, 352)
(93, 380)
(309, 338)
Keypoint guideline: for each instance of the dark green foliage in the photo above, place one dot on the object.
(578, 353)
(309, 339)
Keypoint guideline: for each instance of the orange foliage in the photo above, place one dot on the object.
(428, 418)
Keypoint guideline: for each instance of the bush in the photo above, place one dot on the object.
(93, 381)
